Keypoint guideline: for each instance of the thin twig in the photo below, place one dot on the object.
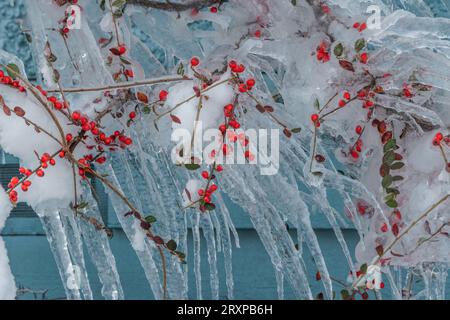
(122, 85)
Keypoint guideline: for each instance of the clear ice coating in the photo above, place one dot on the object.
(412, 40)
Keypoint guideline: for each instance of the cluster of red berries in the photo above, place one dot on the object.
(438, 139)
(322, 52)
(360, 26)
(65, 21)
(10, 82)
(206, 194)
(315, 120)
(101, 139)
(46, 160)
(346, 97)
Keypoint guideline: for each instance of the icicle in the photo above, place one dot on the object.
(280, 284)
(134, 233)
(195, 223)
(59, 244)
(75, 246)
(395, 290)
(208, 233)
(97, 244)
(222, 216)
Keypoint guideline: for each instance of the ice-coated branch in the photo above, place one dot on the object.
(172, 6)
(122, 85)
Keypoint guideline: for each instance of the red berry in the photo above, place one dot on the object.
(342, 103)
(363, 58)
(356, 25)
(219, 168)
(243, 87)
(195, 61)
(362, 27)
(205, 174)
(439, 136)
(40, 173)
(69, 137)
(132, 115)
(76, 116)
(250, 82)
(384, 227)
(257, 33)
(347, 95)
(122, 49)
(200, 192)
(354, 154)
(382, 285)
(213, 188)
(240, 68)
(163, 95)
(314, 117)
(358, 129)
(129, 73)
(213, 9)
(62, 154)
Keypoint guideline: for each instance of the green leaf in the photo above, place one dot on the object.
(393, 190)
(150, 219)
(119, 3)
(387, 181)
(363, 268)
(180, 255)
(360, 44)
(389, 157)
(171, 245)
(125, 61)
(82, 205)
(397, 178)
(180, 70)
(338, 50)
(317, 104)
(389, 145)
(103, 5)
(296, 130)
(210, 206)
(146, 110)
(390, 196)
(192, 166)
(391, 203)
(344, 294)
(13, 70)
(397, 165)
